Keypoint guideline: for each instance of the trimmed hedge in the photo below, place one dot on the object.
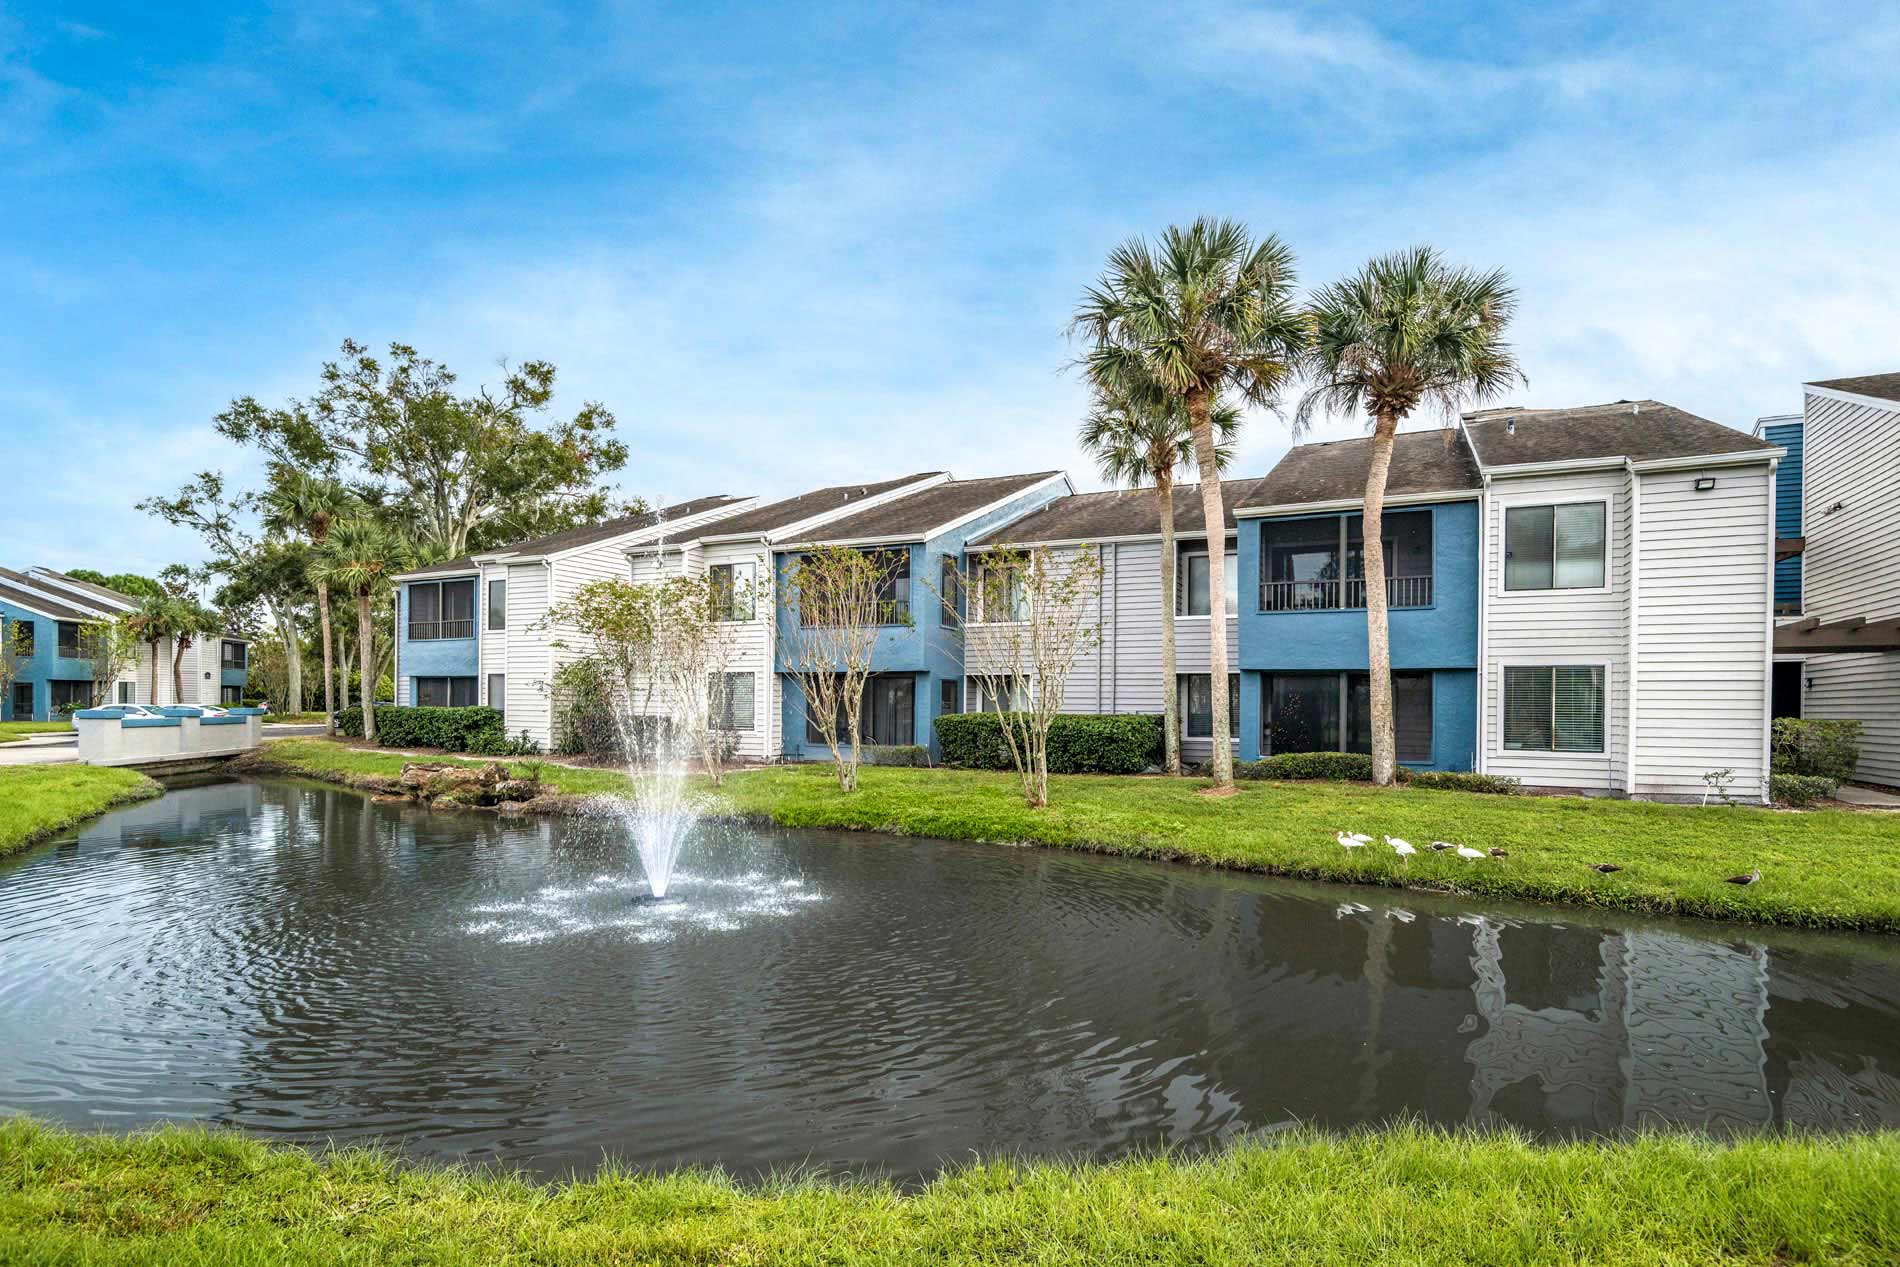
(1079, 743)
(1462, 781)
(1800, 790)
(451, 729)
(1827, 749)
(906, 754)
(1337, 767)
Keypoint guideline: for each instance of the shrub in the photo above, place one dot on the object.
(496, 743)
(450, 729)
(1800, 790)
(584, 721)
(1333, 766)
(909, 754)
(1828, 749)
(1079, 743)
(1462, 781)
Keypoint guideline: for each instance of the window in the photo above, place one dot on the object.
(23, 701)
(887, 712)
(1011, 694)
(445, 692)
(1193, 582)
(231, 655)
(498, 692)
(68, 639)
(950, 591)
(951, 700)
(1553, 708)
(126, 692)
(231, 696)
(1005, 598)
(441, 609)
(1555, 547)
(732, 586)
(1332, 712)
(23, 639)
(729, 697)
(1196, 695)
(893, 595)
(498, 604)
(1319, 564)
(69, 695)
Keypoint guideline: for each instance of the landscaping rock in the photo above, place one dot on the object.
(517, 790)
(380, 784)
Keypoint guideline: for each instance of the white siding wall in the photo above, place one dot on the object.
(1558, 627)
(494, 642)
(529, 664)
(1703, 616)
(749, 647)
(1864, 688)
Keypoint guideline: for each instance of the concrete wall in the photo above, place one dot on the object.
(108, 740)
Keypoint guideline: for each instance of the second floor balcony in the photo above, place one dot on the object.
(1300, 596)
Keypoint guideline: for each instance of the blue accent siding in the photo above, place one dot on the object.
(1787, 507)
(39, 670)
(435, 657)
(1442, 637)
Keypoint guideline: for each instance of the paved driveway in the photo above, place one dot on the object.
(41, 750)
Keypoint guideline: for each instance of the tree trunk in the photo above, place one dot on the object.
(1200, 419)
(293, 656)
(1170, 712)
(1378, 625)
(178, 669)
(365, 639)
(155, 645)
(329, 667)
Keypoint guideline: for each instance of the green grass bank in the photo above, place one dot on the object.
(1824, 869)
(13, 731)
(37, 801)
(1409, 1195)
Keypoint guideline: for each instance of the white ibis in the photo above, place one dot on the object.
(1402, 848)
(1467, 852)
(1745, 880)
(1351, 840)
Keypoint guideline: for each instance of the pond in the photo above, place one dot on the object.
(299, 962)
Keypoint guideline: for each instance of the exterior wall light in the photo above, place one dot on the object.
(1705, 483)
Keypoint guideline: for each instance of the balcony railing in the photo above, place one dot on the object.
(887, 611)
(1303, 596)
(436, 630)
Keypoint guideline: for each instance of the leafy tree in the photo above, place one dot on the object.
(463, 471)
(1145, 439)
(1205, 312)
(309, 506)
(839, 602)
(191, 620)
(359, 556)
(131, 584)
(112, 645)
(1407, 329)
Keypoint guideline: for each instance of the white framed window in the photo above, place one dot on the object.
(1195, 697)
(1557, 546)
(1191, 582)
(984, 694)
(734, 585)
(498, 692)
(730, 699)
(126, 691)
(1003, 595)
(1555, 707)
(498, 604)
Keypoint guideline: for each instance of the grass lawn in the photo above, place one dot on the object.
(1405, 1196)
(295, 719)
(12, 730)
(1827, 868)
(38, 800)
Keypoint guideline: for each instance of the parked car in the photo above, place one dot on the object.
(123, 711)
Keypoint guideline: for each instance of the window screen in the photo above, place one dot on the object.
(498, 604)
(1556, 708)
(1196, 694)
(1555, 547)
(731, 701)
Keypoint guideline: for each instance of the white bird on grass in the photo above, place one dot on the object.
(1402, 848)
(1351, 840)
(1466, 851)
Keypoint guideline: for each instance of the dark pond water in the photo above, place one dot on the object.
(300, 962)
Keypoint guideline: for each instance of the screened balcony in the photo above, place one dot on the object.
(1319, 564)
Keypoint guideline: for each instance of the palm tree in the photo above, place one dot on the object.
(310, 505)
(1205, 312)
(1407, 329)
(189, 619)
(153, 621)
(1146, 439)
(359, 555)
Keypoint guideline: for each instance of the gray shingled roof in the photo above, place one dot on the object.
(25, 584)
(918, 513)
(1116, 513)
(783, 514)
(1881, 386)
(1435, 461)
(585, 535)
(1645, 430)
(89, 587)
(40, 603)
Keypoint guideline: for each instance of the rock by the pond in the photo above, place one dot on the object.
(446, 785)
(380, 784)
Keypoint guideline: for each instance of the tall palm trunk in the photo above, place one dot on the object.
(329, 665)
(1378, 627)
(1201, 422)
(155, 645)
(1171, 714)
(365, 631)
(178, 670)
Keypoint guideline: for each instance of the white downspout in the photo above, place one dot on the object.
(1636, 607)
(1484, 606)
(1768, 653)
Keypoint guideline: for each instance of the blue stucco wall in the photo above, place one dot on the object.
(1441, 637)
(41, 668)
(1787, 507)
(439, 657)
(930, 648)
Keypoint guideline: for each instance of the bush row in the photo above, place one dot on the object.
(1826, 749)
(1356, 767)
(1801, 790)
(477, 730)
(1079, 743)
(905, 754)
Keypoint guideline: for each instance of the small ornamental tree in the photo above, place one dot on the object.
(112, 645)
(838, 599)
(1037, 614)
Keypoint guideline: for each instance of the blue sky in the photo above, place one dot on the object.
(789, 245)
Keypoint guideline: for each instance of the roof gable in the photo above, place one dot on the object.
(1879, 386)
(1641, 430)
(1423, 462)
